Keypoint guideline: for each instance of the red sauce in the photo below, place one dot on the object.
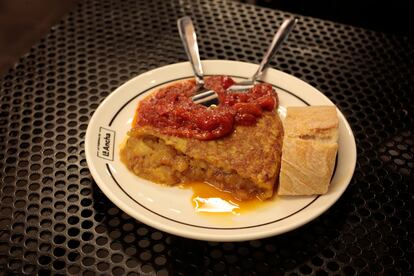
(172, 111)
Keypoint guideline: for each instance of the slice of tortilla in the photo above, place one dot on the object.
(245, 163)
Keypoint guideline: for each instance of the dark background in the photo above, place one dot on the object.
(24, 22)
(385, 16)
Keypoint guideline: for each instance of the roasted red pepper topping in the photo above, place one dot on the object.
(172, 111)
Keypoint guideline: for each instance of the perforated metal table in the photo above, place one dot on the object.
(55, 220)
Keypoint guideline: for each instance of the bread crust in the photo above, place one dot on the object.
(309, 150)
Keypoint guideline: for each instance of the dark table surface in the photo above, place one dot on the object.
(55, 220)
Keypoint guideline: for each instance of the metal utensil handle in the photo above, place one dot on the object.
(278, 39)
(189, 40)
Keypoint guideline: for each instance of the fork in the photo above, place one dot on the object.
(203, 97)
(189, 39)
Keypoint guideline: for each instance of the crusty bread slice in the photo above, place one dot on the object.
(312, 122)
(309, 150)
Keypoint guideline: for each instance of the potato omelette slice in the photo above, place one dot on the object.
(245, 163)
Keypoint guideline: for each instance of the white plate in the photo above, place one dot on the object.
(169, 209)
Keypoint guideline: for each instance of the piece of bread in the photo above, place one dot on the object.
(309, 149)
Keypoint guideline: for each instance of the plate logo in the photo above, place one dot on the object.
(106, 142)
